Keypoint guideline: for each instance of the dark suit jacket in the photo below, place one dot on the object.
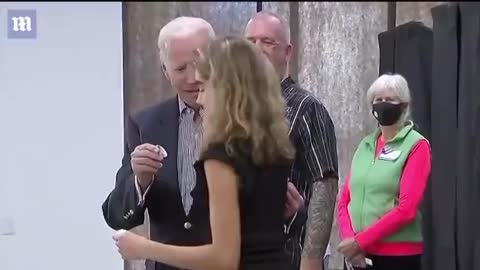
(169, 224)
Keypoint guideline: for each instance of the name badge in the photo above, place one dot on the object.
(389, 154)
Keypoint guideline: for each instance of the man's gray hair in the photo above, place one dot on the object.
(180, 26)
(395, 83)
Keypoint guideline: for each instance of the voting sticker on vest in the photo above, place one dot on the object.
(389, 154)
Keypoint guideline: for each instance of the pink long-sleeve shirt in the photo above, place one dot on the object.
(412, 185)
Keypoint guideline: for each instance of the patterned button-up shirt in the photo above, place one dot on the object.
(189, 137)
(313, 134)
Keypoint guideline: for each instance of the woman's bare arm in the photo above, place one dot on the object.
(224, 252)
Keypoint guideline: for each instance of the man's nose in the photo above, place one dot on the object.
(191, 75)
(200, 99)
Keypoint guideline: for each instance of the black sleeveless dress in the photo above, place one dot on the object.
(262, 195)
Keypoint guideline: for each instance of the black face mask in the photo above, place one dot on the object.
(387, 113)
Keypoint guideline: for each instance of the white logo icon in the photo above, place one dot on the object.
(22, 24)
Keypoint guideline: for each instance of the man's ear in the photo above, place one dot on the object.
(164, 70)
(289, 51)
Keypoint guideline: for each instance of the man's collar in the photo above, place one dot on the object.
(181, 105)
(287, 82)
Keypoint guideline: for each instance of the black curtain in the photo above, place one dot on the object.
(455, 137)
(468, 188)
(439, 225)
(443, 70)
(407, 50)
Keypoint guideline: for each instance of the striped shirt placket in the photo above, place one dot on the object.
(189, 134)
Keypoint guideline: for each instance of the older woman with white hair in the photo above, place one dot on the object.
(378, 209)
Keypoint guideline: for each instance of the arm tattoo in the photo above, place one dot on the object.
(320, 217)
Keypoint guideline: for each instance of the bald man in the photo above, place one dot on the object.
(315, 170)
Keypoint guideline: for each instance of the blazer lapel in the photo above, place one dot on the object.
(165, 133)
(168, 128)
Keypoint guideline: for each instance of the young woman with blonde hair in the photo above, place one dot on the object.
(244, 164)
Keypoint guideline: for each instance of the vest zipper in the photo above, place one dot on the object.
(365, 188)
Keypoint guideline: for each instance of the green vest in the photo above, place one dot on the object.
(374, 183)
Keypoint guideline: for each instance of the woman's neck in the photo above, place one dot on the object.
(389, 132)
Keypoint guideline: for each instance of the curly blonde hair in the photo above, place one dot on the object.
(248, 105)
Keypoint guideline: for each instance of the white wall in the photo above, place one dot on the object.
(61, 136)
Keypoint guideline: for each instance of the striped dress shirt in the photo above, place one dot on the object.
(189, 137)
(313, 134)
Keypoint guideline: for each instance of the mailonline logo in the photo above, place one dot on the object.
(22, 24)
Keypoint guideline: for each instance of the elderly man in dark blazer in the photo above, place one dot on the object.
(150, 180)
